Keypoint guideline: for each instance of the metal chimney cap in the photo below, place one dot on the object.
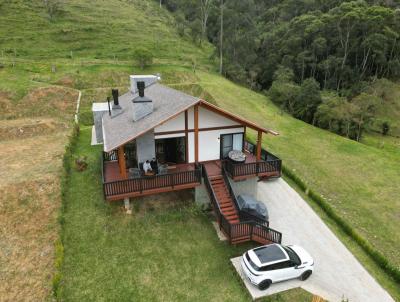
(140, 86)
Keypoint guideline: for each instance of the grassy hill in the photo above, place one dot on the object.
(93, 30)
(359, 180)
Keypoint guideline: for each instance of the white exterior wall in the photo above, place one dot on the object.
(175, 124)
(209, 141)
(209, 119)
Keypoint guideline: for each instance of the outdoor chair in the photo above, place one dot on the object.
(134, 173)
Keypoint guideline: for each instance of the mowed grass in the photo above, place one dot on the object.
(168, 252)
(361, 182)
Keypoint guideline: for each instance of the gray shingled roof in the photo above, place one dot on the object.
(167, 102)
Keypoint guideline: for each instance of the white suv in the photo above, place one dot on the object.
(273, 263)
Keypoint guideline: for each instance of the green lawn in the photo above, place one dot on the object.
(165, 253)
(360, 181)
(94, 29)
(108, 253)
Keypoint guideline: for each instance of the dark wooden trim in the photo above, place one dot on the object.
(200, 130)
(186, 137)
(196, 133)
(259, 141)
(121, 162)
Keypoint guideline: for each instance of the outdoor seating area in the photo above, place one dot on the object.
(167, 177)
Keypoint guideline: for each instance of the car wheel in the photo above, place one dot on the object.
(264, 284)
(304, 276)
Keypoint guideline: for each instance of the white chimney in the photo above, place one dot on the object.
(147, 79)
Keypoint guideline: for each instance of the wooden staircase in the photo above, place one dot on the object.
(236, 228)
(224, 199)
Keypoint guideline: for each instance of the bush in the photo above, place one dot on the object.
(143, 57)
(81, 163)
(385, 128)
(59, 247)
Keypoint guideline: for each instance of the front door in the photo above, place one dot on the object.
(229, 142)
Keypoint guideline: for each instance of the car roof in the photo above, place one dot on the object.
(270, 254)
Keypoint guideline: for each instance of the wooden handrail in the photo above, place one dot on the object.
(251, 228)
(151, 182)
(269, 163)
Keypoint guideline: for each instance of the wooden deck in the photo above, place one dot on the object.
(112, 173)
(253, 168)
(179, 177)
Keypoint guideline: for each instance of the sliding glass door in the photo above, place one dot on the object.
(231, 142)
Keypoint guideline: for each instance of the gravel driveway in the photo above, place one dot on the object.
(337, 272)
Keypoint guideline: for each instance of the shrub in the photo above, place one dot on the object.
(59, 247)
(81, 163)
(385, 128)
(143, 57)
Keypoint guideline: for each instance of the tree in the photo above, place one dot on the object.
(205, 7)
(221, 35)
(365, 109)
(53, 7)
(143, 57)
(308, 100)
(328, 112)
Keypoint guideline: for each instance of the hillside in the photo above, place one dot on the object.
(40, 79)
(110, 30)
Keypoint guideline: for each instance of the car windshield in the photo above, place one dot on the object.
(253, 265)
(292, 255)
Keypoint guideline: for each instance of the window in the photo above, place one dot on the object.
(231, 142)
(294, 259)
(276, 266)
(253, 265)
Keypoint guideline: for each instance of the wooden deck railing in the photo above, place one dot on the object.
(221, 220)
(252, 229)
(243, 215)
(146, 183)
(270, 164)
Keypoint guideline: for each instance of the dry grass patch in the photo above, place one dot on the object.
(24, 128)
(28, 229)
(31, 149)
(54, 101)
(31, 158)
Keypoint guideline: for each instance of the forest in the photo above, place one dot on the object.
(315, 59)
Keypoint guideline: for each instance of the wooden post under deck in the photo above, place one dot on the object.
(259, 139)
(196, 133)
(121, 162)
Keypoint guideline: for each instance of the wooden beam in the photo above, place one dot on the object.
(121, 162)
(200, 130)
(196, 133)
(259, 141)
(186, 137)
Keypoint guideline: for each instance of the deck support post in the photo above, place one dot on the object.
(127, 205)
(259, 140)
(196, 133)
(121, 162)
